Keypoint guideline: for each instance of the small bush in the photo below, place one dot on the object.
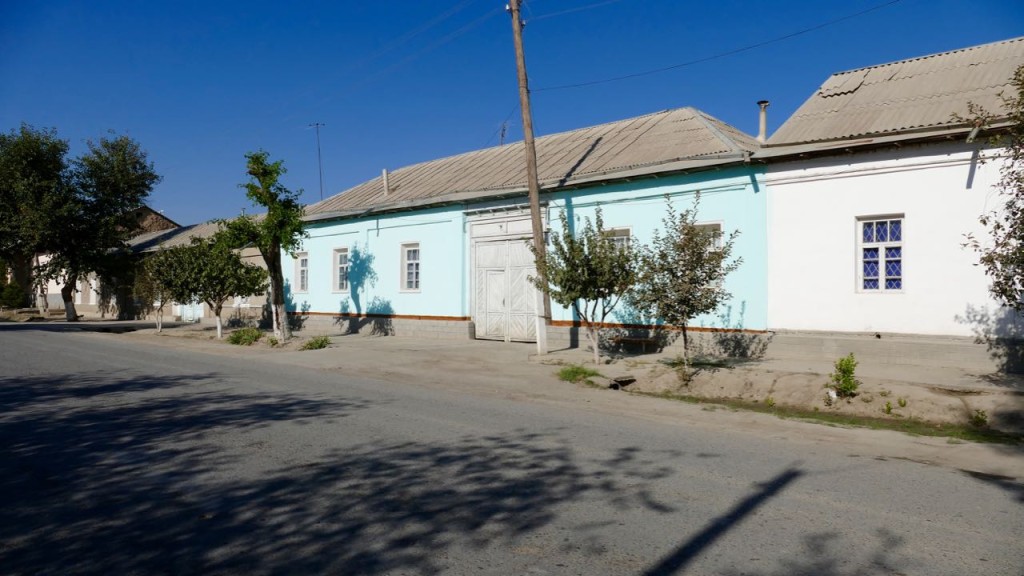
(577, 374)
(245, 336)
(11, 296)
(888, 408)
(843, 380)
(769, 402)
(979, 419)
(273, 342)
(316, 343)
(902, 402)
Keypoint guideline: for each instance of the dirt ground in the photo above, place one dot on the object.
(995, 402)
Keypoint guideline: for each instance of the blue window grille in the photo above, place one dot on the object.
(881, 254)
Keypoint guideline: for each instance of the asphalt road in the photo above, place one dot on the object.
(119, 458)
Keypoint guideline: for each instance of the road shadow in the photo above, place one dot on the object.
(132, 482)
(830, 554)
(718, 527)
(98, 472)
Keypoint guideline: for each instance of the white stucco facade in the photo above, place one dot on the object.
(816, 210)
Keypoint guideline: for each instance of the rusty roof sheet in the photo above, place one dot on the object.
(905, 96)
(637, 146)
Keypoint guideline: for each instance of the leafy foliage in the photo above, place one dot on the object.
(208, 270)
(316, 343)
(577, 374)
(682, 272)
(587, 272)
(109, 183)
(245, 336)
(1003, 257)
(280, 229)
(34, 193)
(844, 380)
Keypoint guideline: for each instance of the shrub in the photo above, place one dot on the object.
(843, 380)
(273, 342)
(316, 343)
(577, 374)
(245, 336)
(11, 296)
(979, 419)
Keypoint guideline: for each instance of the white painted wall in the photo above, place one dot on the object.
(813, 208)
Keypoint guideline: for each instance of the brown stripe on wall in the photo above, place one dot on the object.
(578, 324)
(386, 316)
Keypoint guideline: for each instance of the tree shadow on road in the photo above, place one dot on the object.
(830, 554)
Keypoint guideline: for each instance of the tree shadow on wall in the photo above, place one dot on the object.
(1002, 333)
(729, 339)
(378, 317)
(639, 332)
(297, 315)
(358, 315)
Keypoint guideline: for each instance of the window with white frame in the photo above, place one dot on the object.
(302, 272)
(619, 236)
(880, 254)
(715, 228)
(341, 266)
(411, 266)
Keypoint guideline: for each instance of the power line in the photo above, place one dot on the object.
(387, 47)
(502, 127)
(570, 10)
(719, 55)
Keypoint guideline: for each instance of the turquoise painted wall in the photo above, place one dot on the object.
(735, 198)
(376, 287)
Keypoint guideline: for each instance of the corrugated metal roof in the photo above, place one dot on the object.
(637, 146)
(180, 236)
(908, 95)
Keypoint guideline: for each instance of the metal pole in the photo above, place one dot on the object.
(543, 302)
(319, 161)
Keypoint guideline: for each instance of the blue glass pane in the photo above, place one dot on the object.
(871, 253)
(869, 231)
(893, 252)
(871, 269)
(895, 284)
(881, 231)
(893, 269)
(895, 230)
(871, 284)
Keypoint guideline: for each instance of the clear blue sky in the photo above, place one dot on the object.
(198, 84)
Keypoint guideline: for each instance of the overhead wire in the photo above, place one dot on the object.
(719, 55)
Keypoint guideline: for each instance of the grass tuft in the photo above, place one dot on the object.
(316, 343)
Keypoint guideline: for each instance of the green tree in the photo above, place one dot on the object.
(279, 230)
(1002, 256)
(109, 183)
(588, 272)
(150, 285)
(682, 272)
(34, 192)
(208, 270)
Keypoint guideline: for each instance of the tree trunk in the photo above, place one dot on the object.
(41, 301)
(220, 327)
(282, 331)
(592, 334)
(21, 270)
(160, 318)
(67, 294)
(686, 348)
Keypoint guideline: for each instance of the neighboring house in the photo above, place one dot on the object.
(241, 309)
(89, 300)
(439, 249)
(872, 185)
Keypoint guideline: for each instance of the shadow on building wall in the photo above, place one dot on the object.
(1001, 331)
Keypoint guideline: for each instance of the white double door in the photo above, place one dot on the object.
(504, 298)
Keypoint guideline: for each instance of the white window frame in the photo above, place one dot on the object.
(883, 255)
(336, 267)
(406, 247)
(717, 227)
(301, 273)
(622, 236)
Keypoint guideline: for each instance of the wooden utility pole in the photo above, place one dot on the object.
(543, 302)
